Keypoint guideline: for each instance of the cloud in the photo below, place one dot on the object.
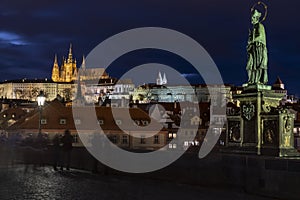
(31, 32)
(12, 38)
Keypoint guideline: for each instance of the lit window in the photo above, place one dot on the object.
(62, 121)
(172, 146)
(172, 135)
(77, 121)
(13, 115)
(4, 116)
(75, 139)
(295, 130)
(43, 121)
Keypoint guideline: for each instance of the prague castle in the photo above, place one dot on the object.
(68, 70)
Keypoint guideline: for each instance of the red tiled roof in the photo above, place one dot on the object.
(55, 111)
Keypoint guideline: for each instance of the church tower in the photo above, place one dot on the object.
(55, 71)
(70, 65)
(164, 80)
(159, 79)
(67, 72)
(63, 71)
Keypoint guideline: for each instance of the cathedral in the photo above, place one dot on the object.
(161, 80)
(68, 70)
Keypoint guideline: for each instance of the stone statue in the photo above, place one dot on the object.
(287, 124)
(257, 52)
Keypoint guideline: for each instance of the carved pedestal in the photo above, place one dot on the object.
(260, 126)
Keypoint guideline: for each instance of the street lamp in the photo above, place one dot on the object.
(41, 101)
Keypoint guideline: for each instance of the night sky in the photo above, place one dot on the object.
(32, 32)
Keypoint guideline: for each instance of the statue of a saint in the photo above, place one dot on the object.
(257, 52)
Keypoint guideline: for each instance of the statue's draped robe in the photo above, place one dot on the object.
(257, 55)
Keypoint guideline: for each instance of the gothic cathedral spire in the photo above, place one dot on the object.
(55, 70)
(68, 70)
(83, 63)
(70, 57)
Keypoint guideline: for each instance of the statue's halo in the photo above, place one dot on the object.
(265, 7)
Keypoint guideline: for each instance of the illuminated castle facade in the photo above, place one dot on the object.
(68, 70)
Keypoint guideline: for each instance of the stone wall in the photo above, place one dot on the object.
(267, 176)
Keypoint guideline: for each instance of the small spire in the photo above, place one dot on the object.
(83, 62)
(278, 80)
(70, 57)
(78, 94)
(55, 60)
(159, 79)
(164, 81)
(70, 50)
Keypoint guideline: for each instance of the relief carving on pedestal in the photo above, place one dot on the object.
(287, 124)
(248, 111)
(269, 132)
(235, 132)
(266, 108)
(287, 141)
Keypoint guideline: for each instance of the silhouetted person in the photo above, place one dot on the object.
(56, 151)
(67, 141)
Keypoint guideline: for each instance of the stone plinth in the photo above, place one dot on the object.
(260, 126)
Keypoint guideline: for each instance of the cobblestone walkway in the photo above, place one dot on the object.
(19, 182)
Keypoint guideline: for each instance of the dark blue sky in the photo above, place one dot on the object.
(31, 32)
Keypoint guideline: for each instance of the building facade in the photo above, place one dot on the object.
(28, 89)
(56, 118)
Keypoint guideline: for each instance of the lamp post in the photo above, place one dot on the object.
(41, 101)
